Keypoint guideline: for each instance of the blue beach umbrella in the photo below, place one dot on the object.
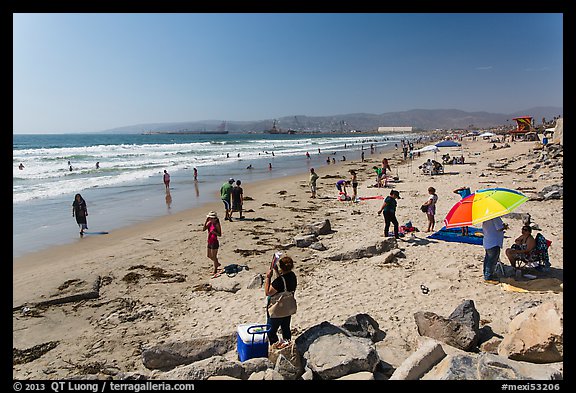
(447, 143)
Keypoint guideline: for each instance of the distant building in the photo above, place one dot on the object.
(394, 129)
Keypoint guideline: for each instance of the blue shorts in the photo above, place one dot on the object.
(226, 204)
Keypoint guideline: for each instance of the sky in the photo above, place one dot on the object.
(88, 72)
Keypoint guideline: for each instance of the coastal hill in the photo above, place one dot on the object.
(419, 119)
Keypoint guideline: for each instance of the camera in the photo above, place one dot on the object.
(276, 258)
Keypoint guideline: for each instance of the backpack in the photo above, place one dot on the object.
(233, 269)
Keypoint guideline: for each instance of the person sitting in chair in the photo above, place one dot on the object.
(522, 247)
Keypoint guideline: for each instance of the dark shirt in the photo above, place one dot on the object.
(79, 208)
(390, 204)
(290, 278)
(236, 192)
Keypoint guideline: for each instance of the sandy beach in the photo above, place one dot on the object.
(149, 275)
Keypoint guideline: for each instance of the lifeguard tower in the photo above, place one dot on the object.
(523, 126)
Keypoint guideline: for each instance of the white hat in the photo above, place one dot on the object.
(212, 214)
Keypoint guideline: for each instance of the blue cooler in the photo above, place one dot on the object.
(252, 341)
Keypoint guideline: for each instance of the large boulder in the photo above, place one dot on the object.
(337, 355)
(535, 335)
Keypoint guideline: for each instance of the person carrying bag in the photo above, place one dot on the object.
(281, 301)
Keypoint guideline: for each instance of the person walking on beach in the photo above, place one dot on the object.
(463, 192)
(195, 174)
(431, 203)
(166, 179)
(226, 196)
(286, 281)
(80, 211)
(312, 182)
(493, 240)
(212, 225)
(389, 210)
(237, 199)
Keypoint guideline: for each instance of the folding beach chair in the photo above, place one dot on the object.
(499, 269)
(538, 259)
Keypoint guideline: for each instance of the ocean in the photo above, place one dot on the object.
(127, 188)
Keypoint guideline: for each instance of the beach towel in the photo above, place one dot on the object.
(538, 285)
(371, 197)
(475, 235)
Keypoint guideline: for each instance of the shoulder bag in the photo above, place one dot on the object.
(283, 303)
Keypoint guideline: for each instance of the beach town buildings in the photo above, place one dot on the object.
(395, 129)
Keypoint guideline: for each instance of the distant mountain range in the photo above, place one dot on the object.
(419, 119)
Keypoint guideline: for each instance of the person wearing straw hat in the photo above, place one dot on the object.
(212, 225)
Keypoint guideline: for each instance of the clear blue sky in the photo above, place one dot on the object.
(90, 72)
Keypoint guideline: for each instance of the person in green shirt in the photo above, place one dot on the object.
(226, 195)
(378, 171)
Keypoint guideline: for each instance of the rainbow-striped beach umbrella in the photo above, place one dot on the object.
(483, 205)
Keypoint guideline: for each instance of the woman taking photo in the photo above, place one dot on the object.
(286, 281)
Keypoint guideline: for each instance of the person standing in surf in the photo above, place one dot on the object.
(80, 211)
(166, 179)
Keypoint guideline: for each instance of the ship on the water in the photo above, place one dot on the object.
(277, 130)
(220, 130)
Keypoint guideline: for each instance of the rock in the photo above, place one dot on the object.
(363, 325)
(337, 355)
(176, 353)
(420, 362)
(535, 335)
(446, 330)
(304, 240)
(317, 228)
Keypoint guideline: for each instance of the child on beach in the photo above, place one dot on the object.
(80, 211)
(385, 166)
(354, 182)
(237, 199)
(212, 225)
(431, 203)
(463, 192)
(378, 171)
(341, 186)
